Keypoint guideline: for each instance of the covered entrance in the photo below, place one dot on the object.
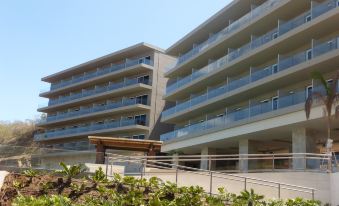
(149, 147)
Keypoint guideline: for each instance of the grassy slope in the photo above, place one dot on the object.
(17, 133)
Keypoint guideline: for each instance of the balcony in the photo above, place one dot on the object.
(70, 147)
(257, 42)
(101, 72)
(283, 63)
(90, 111)
(93, 128)
(99, 90)
(232, 28)
(247, 113)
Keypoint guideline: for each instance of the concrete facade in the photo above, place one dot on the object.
(118, 95)
(242, 78)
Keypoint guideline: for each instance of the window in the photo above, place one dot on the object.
(275, 35)
(309, 54)
(139, 136)
(143, 79)
(142, 99)
(140, 119)
(308, 18)
(330, 44)
(275, 68)
(275, 103)
(309, 90)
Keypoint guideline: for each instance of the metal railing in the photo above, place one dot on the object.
(100, 72)
(98, 90)
(283, 63)
(233, 27)
(91, 110)
(284, 27)
(253, 110)
(17, 158)
(164, 169)
(92, 127)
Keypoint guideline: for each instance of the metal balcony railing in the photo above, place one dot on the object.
(89, 75)
(284, 62)
(234, 26)
(98, 90)
(253, 110)
(232, 117)
(91, 128)
(91, 110)
(233, 54)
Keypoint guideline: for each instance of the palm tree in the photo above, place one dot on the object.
(250, 198)
(328, 99)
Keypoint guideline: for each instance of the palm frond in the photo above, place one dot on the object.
(309, 102)
(318, 76)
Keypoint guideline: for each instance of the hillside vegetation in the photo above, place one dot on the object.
(17, 133)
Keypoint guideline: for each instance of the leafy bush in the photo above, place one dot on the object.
(302, 202)
(99, 176)
(71, 171)
(30, 173)
(131, 191)
(53, 200)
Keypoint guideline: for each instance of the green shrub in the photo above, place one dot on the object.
(99, 176)
(53, 200)
(302, 202)
(71, 171)
(30, 173)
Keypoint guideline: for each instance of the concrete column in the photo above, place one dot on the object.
(247, 147)
(243, 151)
(205, 163)
(303, 142)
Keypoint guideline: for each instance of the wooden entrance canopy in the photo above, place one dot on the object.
(150, 147)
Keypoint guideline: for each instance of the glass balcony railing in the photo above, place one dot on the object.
(98, 90)
(100, 72)
(234, 26)
(284, 27)
(91, 110)
(284, 62)
(241, 114)
(71, 146)
(91, 128)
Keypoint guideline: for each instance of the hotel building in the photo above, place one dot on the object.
(242, 77)
(117, 95)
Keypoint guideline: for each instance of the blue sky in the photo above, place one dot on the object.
(40, 37)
